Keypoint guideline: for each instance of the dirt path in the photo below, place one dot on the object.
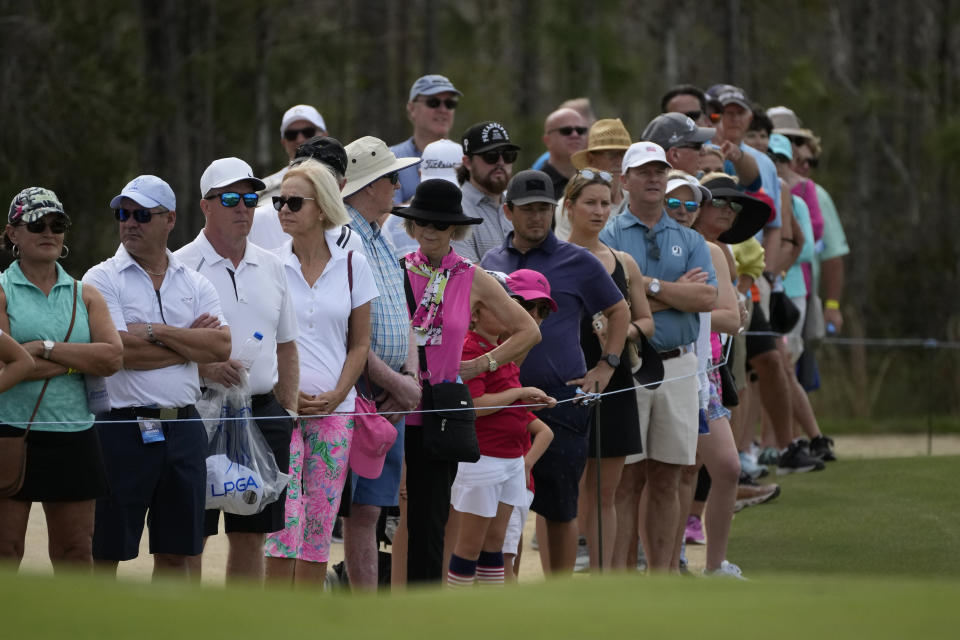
(214, 558)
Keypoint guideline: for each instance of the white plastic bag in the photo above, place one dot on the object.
(242, 475)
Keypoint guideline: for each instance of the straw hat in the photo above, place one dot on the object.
(605, 135)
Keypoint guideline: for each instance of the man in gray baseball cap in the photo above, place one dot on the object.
(431, 105)
(680, 138)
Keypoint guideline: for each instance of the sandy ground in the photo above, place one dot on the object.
(214, 558)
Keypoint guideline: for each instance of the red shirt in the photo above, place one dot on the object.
(502, 434)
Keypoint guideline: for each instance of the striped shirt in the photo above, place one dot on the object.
(390, 321)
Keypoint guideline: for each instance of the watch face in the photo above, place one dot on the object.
(613, 360)
(655, 286)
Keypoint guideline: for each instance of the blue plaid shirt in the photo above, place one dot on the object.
(390, 321)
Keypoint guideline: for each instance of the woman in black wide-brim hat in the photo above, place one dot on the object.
(445, 289)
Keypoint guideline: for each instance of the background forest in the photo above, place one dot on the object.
(95, 93)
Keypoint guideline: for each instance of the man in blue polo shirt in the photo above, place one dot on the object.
(581, 286)
(680, 282)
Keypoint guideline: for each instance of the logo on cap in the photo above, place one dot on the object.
(535, 184)
(494, 131)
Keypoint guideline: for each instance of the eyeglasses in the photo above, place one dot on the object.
(589, 174)
(811, 162)
(433, 102)
(674, 203)
(653, 249)
(720, 203)
(293, 203)
(393, 177)
(568, 131)
(543, 309)
(143, 216)
(56, 226)
(490, 157)
(308, 132)
(693, 115)
(232, 199)
(439, 226)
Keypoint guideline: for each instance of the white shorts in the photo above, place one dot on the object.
(480, 486)
(669, 415)
(518, 520)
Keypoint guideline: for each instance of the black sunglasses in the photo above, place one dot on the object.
(543, 309)
(433, 102)
(696, 146)
(232, 199)
(568, 131)
(693, 115)
(811, 162)
(490, 157)
(439, 226)
(308, 132)
(143, 216)
(393, 177)
(56, 226)
(294, 203)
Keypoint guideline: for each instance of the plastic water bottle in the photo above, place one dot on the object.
(249, 350)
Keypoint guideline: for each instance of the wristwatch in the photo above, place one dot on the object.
(47, 348)
(654, 287)
(611, 359)
(493, 363)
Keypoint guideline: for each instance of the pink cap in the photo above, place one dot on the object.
(530, 285)
(372, 438)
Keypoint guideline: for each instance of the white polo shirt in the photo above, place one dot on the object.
(254, 296)
(323, 312)
(130, 296)
(267, 233)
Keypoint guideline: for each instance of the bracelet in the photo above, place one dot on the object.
(71, 371)
(639, 333)
(409, 373)
(831, 304)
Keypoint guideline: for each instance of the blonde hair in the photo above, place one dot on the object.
(713, 175)
(460, 231)
(325, 190)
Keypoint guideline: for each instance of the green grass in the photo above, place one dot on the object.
(890, 516)
(889, 425)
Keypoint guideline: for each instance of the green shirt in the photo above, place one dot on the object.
(35, 316)
(834, 239)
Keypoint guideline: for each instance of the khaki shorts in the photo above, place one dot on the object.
(669, 415)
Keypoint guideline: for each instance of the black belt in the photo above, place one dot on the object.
(672, 353)
(261, 400)
(155, 412)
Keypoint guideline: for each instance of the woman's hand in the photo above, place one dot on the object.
(321, 404)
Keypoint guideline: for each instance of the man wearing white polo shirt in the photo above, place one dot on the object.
(154, 444)
(254, 297)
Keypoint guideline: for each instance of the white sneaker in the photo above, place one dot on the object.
(726, 570)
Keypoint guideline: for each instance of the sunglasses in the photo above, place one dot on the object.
(811, 162)
(543, 309)
(293, 203)
(568, 131)
(696, 146)
(439, 226)
(232, 199)
(720, 203)
(490, 157)
(675, 203)
(308, 132)
(433, 102)
(653, 249)
(590, 174)
(393, 177)
(143, 216)
(56, 226)
(693, 115)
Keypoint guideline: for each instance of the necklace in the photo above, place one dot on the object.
(163, 273)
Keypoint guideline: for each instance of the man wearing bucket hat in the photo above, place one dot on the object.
(488, 157)
(254, 297)
(299, 123)
(665, 251)
(372, 179)
(581, 286)
(430, 107)
(154, 444)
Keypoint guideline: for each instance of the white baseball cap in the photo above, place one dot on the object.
(440, 160)
(302, 112)
(641, 153)
(147, 191)
(226, 171)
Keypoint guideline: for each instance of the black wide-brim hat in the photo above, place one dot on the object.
(650, 373)
(751, 219)
(436, 200)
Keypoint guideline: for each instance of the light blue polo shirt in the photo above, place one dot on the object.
(681, 249)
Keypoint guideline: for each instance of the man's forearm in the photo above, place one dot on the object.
(691, 297)
(288, 375)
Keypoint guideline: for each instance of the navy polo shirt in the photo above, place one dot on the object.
(681, 249)
(579, 284)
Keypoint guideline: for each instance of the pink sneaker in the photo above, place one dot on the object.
(694, 532)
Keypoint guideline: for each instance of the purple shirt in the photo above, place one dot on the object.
(580, 285)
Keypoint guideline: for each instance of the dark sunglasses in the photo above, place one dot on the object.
(393, 177)
(293, 203)
(568, 131)
(675, 203)
(232, 199)
(490, 157)
(439, 226)
(811, 162)
(543, 309)
(696, 146)
(720, 203)
(590, 174)
(433, 102)
(143, 216)
(308, 132)
(653, 249)
(56, 226)
(693, 115)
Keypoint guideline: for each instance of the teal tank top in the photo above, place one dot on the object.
(35, 316)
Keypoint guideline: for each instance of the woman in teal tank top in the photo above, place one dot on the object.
(67, 329)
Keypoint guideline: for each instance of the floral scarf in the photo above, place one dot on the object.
(427, 319)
